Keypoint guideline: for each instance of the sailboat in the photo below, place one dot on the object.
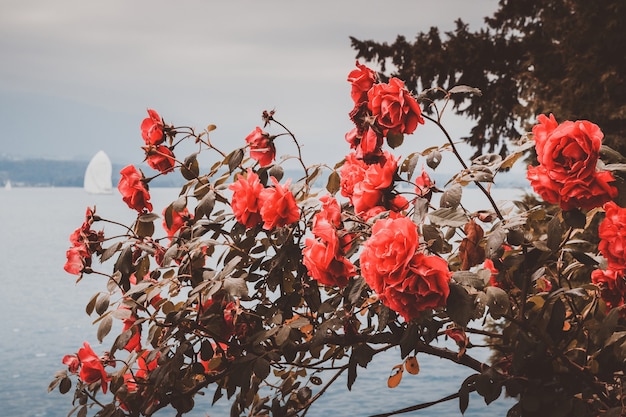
(98, 174)
(7, 185)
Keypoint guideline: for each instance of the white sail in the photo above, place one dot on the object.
(7, 185)
(98, 174)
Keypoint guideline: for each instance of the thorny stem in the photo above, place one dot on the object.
(306, 170)
(460, 159)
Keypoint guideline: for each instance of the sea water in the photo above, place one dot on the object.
(43, 317)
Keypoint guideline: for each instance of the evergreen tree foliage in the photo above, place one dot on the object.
(555, 56)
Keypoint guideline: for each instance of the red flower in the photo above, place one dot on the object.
(177, 220)
(91, 369)
(424, 185)
(77, 259)
(278, 206)
(134, 343)
(72, 362)
(160, 158)
(394, 107)
(324, 257)
(134, 191)
(362, 79)
(325, 264)
(388, 251)
(423, 286)
(612, 234)
(245, 201)
(612, 286)
(262, 147)
(152, 129)
(567, 154)
(369, 186)
(84, 242)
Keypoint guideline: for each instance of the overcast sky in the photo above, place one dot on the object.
(77, 76)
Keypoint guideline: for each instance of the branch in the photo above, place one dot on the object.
(421, 406)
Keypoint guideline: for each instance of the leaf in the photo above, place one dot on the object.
(104, 328)
(411, 365)
(396, 376)
(205, 205)
(148, 217)
(394, 139)
(497, 301)
(190, 168)
(261, 368)
(458, 89)
(333, 185)
(451, 198)
(459, 305)
(575, 218)
(452, 217)
(433, 159)
(102, 304)
(420, 210)
(277, 172)
(110, 251)
(476, 174)
(495, 239)
(470, 279)
(236, 287)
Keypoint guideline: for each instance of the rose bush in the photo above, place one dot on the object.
(268, 289)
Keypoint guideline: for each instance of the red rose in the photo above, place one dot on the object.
(134, 192)
(424, 185)
(134, 343)
(77, 258)
(352, 173)
(278, 206)
(612, 234)
(370, 191)
(424, 286)
(91, 369)
(612, 286)
(567, 154)
(160, 158)
(362, 79)
(394, 107)
(326, 265)
(178, 220)
(262, 147)
(152, 129)
(72, 362)
(245, 201)
(387, 252)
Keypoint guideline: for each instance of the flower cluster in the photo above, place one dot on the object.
(407, 281)
(261, 277)
(85, 242)
(612, 234)
(324, 256)
(381, 110)
(567, 174)
(252, 203)
(89, 366)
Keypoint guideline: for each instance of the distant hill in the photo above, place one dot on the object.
(58, 173)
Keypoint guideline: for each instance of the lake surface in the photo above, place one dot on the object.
(43, 317)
